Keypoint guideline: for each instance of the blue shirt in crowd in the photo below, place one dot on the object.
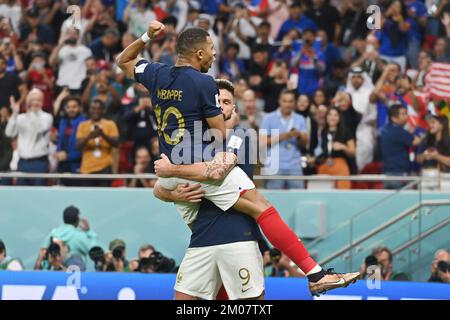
(395, 144)
(389, 46)
(286, 152)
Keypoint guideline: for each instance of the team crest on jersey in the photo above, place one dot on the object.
(140, 68)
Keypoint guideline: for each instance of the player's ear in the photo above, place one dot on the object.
(200, 54)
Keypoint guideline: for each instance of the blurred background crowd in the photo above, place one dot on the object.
(348, 98)
(73, 245)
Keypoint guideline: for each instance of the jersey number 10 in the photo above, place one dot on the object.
(162, 124)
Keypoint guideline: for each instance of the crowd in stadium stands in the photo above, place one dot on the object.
(73, 244)
(347, 98)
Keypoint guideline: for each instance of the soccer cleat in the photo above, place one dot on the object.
(332, 280)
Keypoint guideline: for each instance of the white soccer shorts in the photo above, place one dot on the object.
(223, 194)
(239, 266)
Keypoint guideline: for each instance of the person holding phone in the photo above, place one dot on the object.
(96, 138)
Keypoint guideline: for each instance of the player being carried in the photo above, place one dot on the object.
(186, 107)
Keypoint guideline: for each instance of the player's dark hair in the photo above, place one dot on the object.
(189, 39)
(225, 84)
(394, 110)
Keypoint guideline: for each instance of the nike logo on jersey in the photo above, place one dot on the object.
(244, 291)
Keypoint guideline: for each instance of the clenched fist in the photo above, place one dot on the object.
(154, 29)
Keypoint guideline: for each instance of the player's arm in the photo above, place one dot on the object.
(183, 193)
(218, 123)
(128, 58)
(215, 170)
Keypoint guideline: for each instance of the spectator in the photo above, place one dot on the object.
(12, 11)
(320, 98)
(10, 85)
(41, 76)
(326, 17)
(69, 56)
(8, 263)
(438, 271)
(272, 85)
(395, 144)
(335, 81)
(394, 34)
(337, 145)
(35, 30)
(6, 150)
(284, 145)
(137, 15)
(102, 88)
(167, 53)
(384, 94)
(14, 61)
(304, 108)
(258, 68)
(232, 66)
(280, 266)
(434, 151)
(417, 13)
(384, 257)
(330, 51)
(252, 117)
(343, 101)
(57, 257)
(106, 46)
(296, 21)
(243, 31)
(370, 59)
(32, 130)
(116, 260)
(142, 123)
(75, 233)
(441, 51)
(69, 157)
(309, 62)
(91, 71)
(96, 139)
(360, 86)
(424, 65)
(353, 21)
(145, 251)
(144, 165)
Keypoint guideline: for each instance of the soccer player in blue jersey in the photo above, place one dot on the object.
(224, 245)
(186, 101)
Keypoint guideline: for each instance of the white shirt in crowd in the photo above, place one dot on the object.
(14, 13)
(32, 130)
(72, 66)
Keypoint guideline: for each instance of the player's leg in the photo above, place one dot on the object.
(241, 269)
(198, 276)
(281, 236)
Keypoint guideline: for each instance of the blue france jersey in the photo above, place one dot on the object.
(182, 98)
(216, 227)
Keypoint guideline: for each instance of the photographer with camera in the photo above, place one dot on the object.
(385, 261)
(279, 265)
(145, 251)
(75, 233)
(53, 257)
(115, 259)
(7, 262)
(440, 267)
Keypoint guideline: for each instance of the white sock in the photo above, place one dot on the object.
(316, 269)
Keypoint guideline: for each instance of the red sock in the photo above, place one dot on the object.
(284, 239)
(222, 294)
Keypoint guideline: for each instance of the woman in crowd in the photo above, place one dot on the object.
(338, 144)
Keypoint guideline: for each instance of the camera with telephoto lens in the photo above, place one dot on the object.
(443, 266)
(53, 249)
(98, 256)
(157, 262)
